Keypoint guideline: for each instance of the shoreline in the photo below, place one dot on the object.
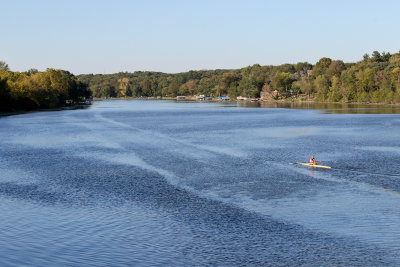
(283, 101)
(19, 112)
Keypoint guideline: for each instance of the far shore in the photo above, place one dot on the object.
(214, 99)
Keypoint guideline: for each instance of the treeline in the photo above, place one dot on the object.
(376, 78)
(33, 90)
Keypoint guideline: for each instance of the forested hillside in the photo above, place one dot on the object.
(33, 90)
(376, 78)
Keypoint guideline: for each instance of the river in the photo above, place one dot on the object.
(166, 183)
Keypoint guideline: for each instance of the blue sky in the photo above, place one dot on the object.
(98, 36)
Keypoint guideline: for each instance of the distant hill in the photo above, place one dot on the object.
(376, 78)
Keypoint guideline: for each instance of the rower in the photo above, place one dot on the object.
(312, 160)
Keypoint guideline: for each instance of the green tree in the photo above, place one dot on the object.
(78, 91)
(303, 68)
(229, 81)
(183, 89)
(376, 57)
(162, 86)
(283, 83)
(321, 66)
(349, 87)
(5, 98)
(366, 80)
(60, 82)
(32, 71)
(146, 86)
(306, 85)
(247, 88)
(107, 91)
(335, 94)
(335, 68)
(396, 79)
(205, 86)
(3, 66)
(322, 84)
(173, 89)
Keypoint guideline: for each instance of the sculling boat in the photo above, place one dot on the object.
(313, 165)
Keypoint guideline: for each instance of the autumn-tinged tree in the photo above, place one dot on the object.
(32, 90)
(335, 68)
(191, 86)
(124, 88)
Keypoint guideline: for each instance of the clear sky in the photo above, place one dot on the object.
(98, 36)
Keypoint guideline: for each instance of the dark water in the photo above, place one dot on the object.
(142, 183)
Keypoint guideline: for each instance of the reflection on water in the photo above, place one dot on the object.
(330, 108)
(165, 183)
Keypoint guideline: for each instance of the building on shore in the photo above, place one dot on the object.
(241, 98)
(224, 98)
(269, 95)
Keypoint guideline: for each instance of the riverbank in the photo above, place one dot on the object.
(69, 107)
(301, 100)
